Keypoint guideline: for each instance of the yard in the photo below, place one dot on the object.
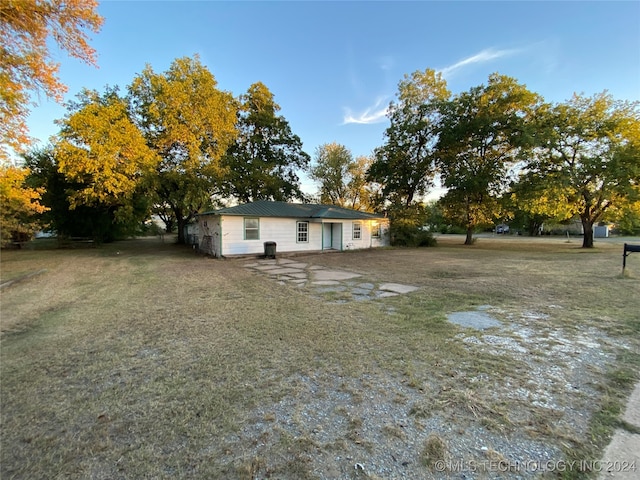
(143, 359)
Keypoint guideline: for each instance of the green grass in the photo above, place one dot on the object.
(142, 359)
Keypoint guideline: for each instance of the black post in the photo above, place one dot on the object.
(624, 259)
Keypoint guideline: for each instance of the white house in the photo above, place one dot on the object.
(294, 227)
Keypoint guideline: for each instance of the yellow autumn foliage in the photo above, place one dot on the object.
(26, 63)
(19, 205)
(102, 151)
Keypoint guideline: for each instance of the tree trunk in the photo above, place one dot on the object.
(587, 226)
(181, 222)
(469, 239)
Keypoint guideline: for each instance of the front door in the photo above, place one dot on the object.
(332, 236)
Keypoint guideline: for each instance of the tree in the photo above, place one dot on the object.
(96, 220)
(26, 63)
(589, 157)
(19, 205)
(106, 164)
(265, 159)
(190, 124)
(628, 219)
(343, 180)
(533, 201)
(102, 151)
(404, 165)
(484, 132)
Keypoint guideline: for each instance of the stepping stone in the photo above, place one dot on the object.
(298, 275)
(316, 267)
(398, 288)
(265, 268)
(334, 275)
(473, 319)
(367, 286)
(361, 291)
(386, 294)
(250, 265)
(297, 265)
(325, 282)
(361, 298)
(283, 271)
(284, 261)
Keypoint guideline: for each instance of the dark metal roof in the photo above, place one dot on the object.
(265, 208)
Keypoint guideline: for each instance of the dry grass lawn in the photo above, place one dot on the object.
(143, 360)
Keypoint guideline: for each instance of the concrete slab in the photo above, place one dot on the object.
(299, 265)
(284, 261)
(316, 267)
(283, 271)
(398, 288)
(325, 282)
(298, 275)
(334, 275)
(386, 294)
(266, 268)
(251, 265)
(268, 262)
(361, 291)
(474, 319)
(621, 460)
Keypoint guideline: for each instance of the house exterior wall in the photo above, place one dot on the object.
(210, 235)
(225, 235)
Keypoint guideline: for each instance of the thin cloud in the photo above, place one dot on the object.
(374, 114)
(482, 57)
(386, 62)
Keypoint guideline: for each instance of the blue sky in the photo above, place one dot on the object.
(334, 66)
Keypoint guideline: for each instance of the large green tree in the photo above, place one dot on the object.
(103, 222)
(105, 163)
(405, 164)
(341, 178)
(189, 123)
(102, 151)
(265, 159)
(588, 159)
(484, 132)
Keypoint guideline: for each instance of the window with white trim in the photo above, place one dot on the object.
(252, 229)
(302, 229)
(375, 230)
(357, 231)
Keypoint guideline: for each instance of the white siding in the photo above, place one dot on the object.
(224, 235)
(366, 240)
(283, 231)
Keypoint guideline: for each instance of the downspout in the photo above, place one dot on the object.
(220, 252)
(321, 235)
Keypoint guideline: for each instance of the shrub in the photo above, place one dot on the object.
(406, 234)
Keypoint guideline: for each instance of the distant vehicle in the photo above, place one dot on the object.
(502, 229)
